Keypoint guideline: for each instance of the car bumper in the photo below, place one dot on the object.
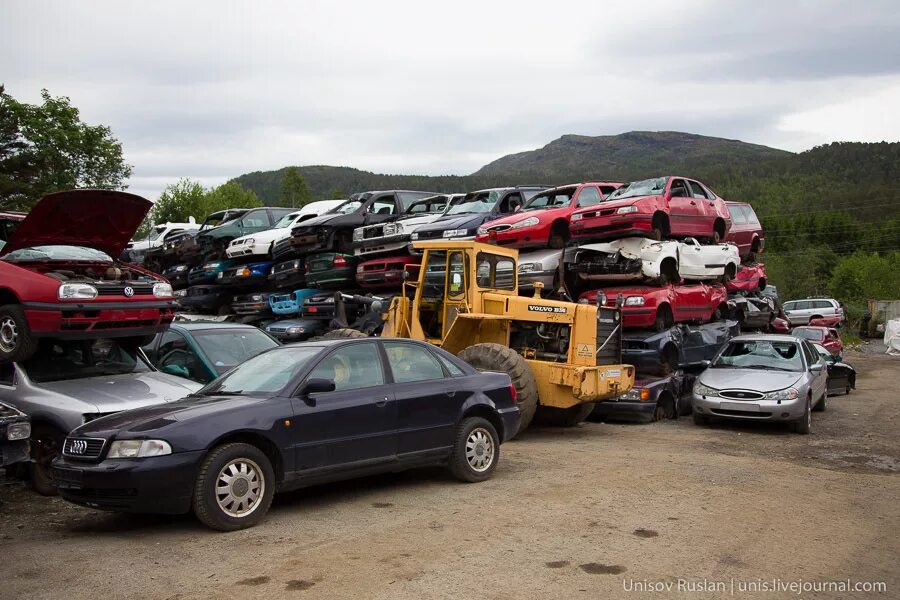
(750, 410)
(625, 410)
(380, 245)
(79, 320)
(248, 250)
(161, 484)
(516, 238)
(512, 420)
(249, 281)
(380, 279)
(335, 277)
(13, 452)
(600, 227)
(638, 317)
(250, 308)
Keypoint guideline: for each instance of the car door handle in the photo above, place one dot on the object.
(451, 393)
(693, 203)
(381, 402)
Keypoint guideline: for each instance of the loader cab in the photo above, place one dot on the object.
(453, 279)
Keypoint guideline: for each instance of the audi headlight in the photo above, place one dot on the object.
(77, 291)
(357, 235)
(634, 301)
(705, 390)
(162, 290)
(18, 431)
(529, 222)
(138, 448)
(786, 394)
(576, 217)
(624, 210)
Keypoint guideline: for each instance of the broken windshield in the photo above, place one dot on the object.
(646, 187)
(479, 202)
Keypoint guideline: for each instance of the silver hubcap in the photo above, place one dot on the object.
(480, 450)
(240, 487)
(9, 335)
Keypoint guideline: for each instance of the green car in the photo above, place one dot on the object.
(202, 351)
(215, 240)
(329, 270)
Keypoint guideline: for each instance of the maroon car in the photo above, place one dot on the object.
(660, 208)
(386, 272)
(746, 232)
(58, 278)
(748, 278)
(645, 307)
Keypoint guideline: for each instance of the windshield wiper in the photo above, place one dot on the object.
(221, 393)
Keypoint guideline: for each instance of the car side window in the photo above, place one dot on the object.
(171, 340)
(412, 363)
(606, 190)
(451, 368)
(697, 190)
(679, 189)
(812, 357)
(751, 216)
(589, 196)
(383, 206)
(255, 219)
(352, 367)
(737, 215)
(511, 203)
(802, 305)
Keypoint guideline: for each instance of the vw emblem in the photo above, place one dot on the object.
(129, 291)
(77, 446)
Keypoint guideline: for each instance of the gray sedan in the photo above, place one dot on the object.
(67, 384)
(763, 378)
(538, 266)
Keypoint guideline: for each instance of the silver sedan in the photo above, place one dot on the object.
(763, 378)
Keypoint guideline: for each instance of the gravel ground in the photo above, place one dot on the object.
(588, 512)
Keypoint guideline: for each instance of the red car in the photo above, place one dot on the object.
(661, 208)
(748, 278)
(826, 336)
(834, 321)
(746, 232)
(544, 221)
(386, 272)
(779, 325)
(58, 278)
(661, 307)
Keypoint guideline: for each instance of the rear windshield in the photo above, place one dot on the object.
(761, 354)
(226, 348)
(57, 360)
(816, 335)
(551, 199)
(57, 253)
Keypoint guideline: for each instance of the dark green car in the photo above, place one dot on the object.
(330, 270)
(202, 351)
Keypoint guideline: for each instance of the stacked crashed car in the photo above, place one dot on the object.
(58, 278)
(383, 238)
(68, 383)
(293, 416)
(260, 244)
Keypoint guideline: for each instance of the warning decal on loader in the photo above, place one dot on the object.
(585, 350)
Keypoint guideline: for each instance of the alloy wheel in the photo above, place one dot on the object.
(480, 450)
(240, 487)
(9, 334)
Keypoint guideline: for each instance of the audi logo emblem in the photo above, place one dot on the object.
(77, 446)
(129, 292)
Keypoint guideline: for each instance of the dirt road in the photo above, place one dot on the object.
(590, 512)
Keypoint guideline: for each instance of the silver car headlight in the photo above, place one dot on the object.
(528, 267)
(450, 233)
(77, 291)
(576, 217)
(138, 448)
(705, 390)
(18, 431)
(162, 290)
(295, 330)
(634, 301)
(624, 210)
(414, 236)
(785, 394)
(482, 231)
(529, 222)
(357, 235)
(392, 229)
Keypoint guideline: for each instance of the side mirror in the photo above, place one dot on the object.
(176, 370)
(816, 367)
(705, 363)
(315, 386)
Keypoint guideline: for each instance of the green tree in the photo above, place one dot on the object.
(294, 191)
(46, 148)
(179, 201)
(229, 195)
(337, 194)
(861, 277)
(801, 272)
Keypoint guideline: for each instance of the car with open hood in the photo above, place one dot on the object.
(334, 230)
(660, 208)
(260, 243)
(543, 222)
(393, 237)
(58, 278)
(68, 383)
(462, 220)
(660, 307)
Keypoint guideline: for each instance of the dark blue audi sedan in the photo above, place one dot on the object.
(291, 417)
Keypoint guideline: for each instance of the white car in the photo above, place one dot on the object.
(157, 237)
(637, 258)
(260, 243)
(390, 237)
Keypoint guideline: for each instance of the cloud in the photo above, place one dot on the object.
(210, 90)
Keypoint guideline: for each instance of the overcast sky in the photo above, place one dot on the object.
(213, 89)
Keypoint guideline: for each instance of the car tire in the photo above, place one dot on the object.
(343, 334)
(664, 319)
(804, 425)
(822, 406)
(46, 444)
(16, 342)
(563, 417)
(497, 357)
(699, 419)
(847, 391)
(476, 450)
(559, 236)
(246, 472)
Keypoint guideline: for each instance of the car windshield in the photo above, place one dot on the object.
(157, 231)
(58, 360)
(264, 374)
(57, 253)
(645, 187)
(816, 335)
(479, 202)
(226, 348)
(285, 221)
(350, 206)
(760, 354)
(551, 199)
(435, 204)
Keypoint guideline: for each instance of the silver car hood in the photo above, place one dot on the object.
(722, 378)
(123, 392)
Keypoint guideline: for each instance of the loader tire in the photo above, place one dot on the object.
(496, 357)
(341, 334)
(564, 417)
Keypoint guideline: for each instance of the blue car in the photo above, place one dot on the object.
(290, 304)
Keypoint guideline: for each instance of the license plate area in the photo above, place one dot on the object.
(739, 406)
(67, 478)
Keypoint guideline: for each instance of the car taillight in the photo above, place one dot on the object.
(306, 267)
(514, 394)
(339, 261)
